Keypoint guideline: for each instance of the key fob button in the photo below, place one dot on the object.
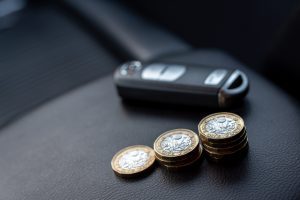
(153, 71)
(172, 73)
(215, 77)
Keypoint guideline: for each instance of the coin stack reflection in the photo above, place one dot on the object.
(223, 135)
(177, 148)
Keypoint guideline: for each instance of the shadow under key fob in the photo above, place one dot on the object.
(179, 83)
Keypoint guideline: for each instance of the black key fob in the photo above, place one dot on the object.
(183, 84)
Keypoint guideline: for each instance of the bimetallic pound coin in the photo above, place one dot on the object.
(133, 160)
(176, 144)
(221, 126)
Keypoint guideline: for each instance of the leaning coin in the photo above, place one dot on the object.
(221, 127)
(133, 160)
(176, 144)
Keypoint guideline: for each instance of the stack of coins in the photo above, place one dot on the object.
(133, 161)
(223, 136)
(177, 148)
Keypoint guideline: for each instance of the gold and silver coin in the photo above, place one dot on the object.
(223, 135)
(133, 160)
(178, 147)
(221, 126)
(176, 144)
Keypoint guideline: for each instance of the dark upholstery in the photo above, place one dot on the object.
(44, 55)
(63, 149)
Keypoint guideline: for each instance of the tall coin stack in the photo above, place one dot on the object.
(177, 148)
(223, 136)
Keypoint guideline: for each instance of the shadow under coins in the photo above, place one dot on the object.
(184, 174)
(231, 171)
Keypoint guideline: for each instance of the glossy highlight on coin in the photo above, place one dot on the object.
(222, 125)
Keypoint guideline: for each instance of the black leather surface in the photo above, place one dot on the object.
(44, 55)
(128, 34)
(63, 149)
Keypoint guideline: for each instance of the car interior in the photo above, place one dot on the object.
(66, 111)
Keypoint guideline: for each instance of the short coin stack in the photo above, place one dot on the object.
(177, 148)
(223, 136)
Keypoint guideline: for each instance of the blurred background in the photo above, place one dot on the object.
(50, 47)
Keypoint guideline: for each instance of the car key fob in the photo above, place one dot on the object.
(179, 83)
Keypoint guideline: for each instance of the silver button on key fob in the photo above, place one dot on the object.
(183, 84)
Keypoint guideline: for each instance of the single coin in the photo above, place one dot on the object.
(223, 126)
(176, 144)
(226, 150)
(225, 144)
(133, 160)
